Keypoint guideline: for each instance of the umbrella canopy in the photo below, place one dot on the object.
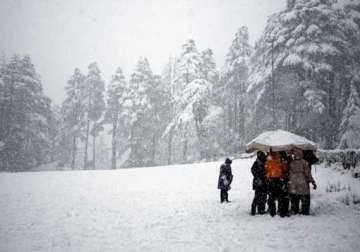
(279, 140)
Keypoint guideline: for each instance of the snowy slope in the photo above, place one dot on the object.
(174, 208)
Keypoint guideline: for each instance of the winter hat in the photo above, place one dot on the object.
(261, 156)
(228, 161)
(298, 153)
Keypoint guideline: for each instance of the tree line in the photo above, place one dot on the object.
(302, 75)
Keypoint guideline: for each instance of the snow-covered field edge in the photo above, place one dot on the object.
(168, 208)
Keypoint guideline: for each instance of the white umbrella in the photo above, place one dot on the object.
(279, 140)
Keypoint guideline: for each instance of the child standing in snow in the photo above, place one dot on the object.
(225, 179)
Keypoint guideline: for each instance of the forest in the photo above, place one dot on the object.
(301, 75)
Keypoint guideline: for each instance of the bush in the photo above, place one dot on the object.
(346, 195)
(349, 158)
(337, 187)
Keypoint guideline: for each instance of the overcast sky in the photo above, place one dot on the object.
(60, 35)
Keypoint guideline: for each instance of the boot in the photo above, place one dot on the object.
(261, 209)
(253, 210)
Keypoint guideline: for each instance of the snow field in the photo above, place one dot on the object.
(170, 208)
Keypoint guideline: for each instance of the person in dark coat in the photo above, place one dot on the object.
(310, 157)
(225, 179)
(259, 184)
(353, 159)
(286, 158)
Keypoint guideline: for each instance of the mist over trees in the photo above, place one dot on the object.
(302, 75)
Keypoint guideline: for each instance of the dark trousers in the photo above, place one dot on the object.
(224, 196)
(259, 202)
(305, 203)
(278, 192)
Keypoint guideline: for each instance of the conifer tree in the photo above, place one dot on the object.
(73, 112)
(93, 97)
(193, 77)
(26, 117)
(350, 124)
(234, 81)
(116, 97)
(141, 85)
(313, 42)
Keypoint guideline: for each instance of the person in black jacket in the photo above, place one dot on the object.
(225, 179)
(310, 157)
(259, 184)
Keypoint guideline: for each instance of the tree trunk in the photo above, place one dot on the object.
(229, 117)
(199, 136)
(331, 129)
(185, 150)
(113, 146)
(185, 144)
(94, 152)
(94, 147)
(133, 155)
(153, 150)
(73, 152)
(170, 146)
(241, 119)
(86, 144)
(235, 114)
(10, 157)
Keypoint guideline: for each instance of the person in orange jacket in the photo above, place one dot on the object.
(276, 174)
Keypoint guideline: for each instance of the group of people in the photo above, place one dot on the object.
(282, 177)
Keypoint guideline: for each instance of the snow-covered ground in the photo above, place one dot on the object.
(174, 208)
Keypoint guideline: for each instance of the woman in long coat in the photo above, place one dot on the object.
(225, 179)
(299, 179)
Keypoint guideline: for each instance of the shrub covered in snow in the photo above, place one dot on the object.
(344, 193)
(343, 159)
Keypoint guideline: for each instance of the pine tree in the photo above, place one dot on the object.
(234, 82)
(208, 66)
(350, 124)
(62, 144)
(93, 96)
(141, 85)
(116, 97)
(202, 108)
(194, 72)
(162, 112)
(188, 67)
(73, 112)
(188, 70)
(26, 114)
(315, 41)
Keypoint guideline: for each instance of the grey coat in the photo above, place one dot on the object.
(299, 177)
